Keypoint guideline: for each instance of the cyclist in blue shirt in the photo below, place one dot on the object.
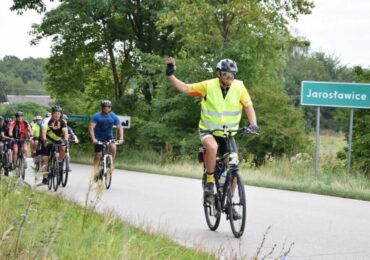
(101, 130)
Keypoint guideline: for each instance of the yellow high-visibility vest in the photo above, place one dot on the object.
(218, 112)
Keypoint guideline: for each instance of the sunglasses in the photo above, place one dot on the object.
(226, 74)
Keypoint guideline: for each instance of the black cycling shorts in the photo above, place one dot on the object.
(46, 150)
(98, 147)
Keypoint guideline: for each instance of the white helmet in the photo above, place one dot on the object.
(227, 65)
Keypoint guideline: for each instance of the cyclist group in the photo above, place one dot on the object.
(17, 133)
(223, 99)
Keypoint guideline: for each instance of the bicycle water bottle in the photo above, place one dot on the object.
(221, 180)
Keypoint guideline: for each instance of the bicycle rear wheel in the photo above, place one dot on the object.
(108, 173)
(238, 210)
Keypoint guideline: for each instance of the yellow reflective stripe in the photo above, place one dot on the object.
(211, 126)
(220, 114)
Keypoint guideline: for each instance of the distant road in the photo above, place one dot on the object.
(321, 227)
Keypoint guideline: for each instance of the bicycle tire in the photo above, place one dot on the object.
(37, 161)
(238, 203)
(212, 214)
(22, 168)
(6, 164)
(55, 173)
(108, 173)
(50, 175)
(18, 167)
(64, 176)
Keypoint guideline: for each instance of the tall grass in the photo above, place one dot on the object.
(35, 225)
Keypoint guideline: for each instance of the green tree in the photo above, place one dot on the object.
(255, 35)
(316, 66)
(361, 128)
(30, 110)
(22, 76)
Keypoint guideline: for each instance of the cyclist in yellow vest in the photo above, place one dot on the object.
(36, 128)
(223, 99)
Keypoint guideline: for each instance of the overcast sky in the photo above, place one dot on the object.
(336, 27)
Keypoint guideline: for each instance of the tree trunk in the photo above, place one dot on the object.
(117, 84)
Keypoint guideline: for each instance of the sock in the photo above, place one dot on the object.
(210, 177)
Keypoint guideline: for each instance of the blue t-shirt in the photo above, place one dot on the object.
(104, 125)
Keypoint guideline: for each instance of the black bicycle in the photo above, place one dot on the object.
(230, 194)
(54, 171)
(64, 171)
(6, 164)
(106, 163)
(20, 164)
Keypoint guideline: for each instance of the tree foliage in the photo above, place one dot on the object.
(116, 49)
(22, 76)
(361, 128)
(314, 66)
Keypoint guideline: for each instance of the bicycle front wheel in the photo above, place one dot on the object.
(20, 170)
(108, 173)
(238, 210)
(64, 175)
(55, 173)
(23, 168)
(50, 175)
(211, 212)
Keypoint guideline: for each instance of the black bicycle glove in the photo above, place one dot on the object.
(170, 69)
(252, 129)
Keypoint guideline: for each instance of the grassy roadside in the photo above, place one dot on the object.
(296, 174)
(35, 225)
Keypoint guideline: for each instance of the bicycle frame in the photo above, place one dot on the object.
(229, 198)
(223, 164)
(106, 163)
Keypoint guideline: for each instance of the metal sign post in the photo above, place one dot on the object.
(335, 94)
(317, 142)
(349, 152)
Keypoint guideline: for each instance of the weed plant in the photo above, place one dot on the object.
(35, 225)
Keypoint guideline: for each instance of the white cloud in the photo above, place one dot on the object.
(14, 31)
(337, 27)
(340, 28)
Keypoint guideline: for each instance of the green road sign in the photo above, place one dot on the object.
(335, 94)
(78, 118)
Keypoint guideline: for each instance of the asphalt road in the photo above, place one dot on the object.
(321, 227)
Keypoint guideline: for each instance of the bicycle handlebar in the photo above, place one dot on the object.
(112, 141)
(227, 131)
